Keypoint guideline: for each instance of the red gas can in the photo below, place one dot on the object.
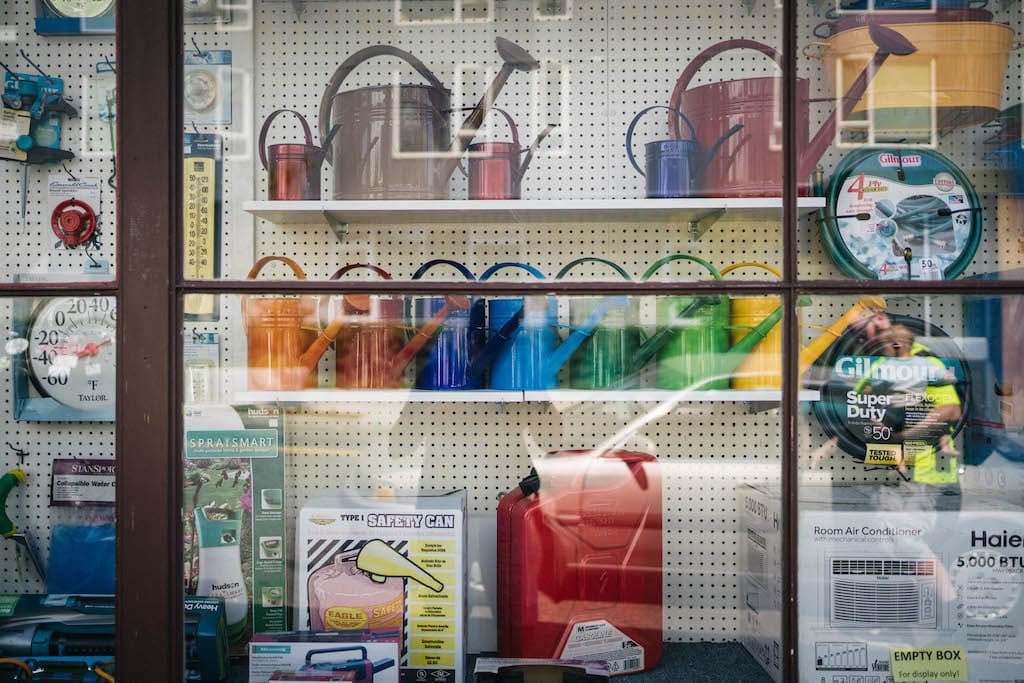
(579, 561)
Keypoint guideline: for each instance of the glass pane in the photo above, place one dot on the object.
(57, 490)
(59, 109)
(910, 497)
(397, 166)
(600, 450)
(917, 158)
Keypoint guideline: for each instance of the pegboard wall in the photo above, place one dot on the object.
(30, 246)
(601, 63)
(83, 62)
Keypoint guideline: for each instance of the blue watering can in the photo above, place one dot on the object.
(674, 167)
(523, 350)
(444, 364)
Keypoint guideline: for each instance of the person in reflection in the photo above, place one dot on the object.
(924, 407)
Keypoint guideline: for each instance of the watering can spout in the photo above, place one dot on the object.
(561, 355)
(650, 348)
(426, 332)
(521, 171)
(887, 42)
(514, 58)
(311, 356)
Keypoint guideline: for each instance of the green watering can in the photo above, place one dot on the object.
(606, 356)
(693, 332)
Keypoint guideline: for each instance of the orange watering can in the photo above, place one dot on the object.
(284, 340)
(371, 350)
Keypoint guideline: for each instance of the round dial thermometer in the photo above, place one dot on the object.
(71, 351)
(79, 9)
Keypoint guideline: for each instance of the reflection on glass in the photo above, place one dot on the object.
(521, 455)
(908, 549)
(57, 490)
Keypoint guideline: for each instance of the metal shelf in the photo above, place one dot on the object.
(492, 396)
(698, 213)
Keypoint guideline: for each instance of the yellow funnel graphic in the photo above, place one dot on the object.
(380, 561)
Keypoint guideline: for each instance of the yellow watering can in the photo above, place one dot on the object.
(761, 368)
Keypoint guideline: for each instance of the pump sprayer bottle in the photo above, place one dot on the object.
(220, 564)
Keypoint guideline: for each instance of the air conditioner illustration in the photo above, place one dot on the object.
(882, 592)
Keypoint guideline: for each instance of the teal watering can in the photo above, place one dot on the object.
(606, 356)
(522, 349)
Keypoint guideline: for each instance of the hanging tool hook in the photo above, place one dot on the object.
(18, 453)
(70, 174)
(33, 64)
(199, 51)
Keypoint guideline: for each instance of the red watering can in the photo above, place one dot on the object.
(750, 164)
(496, 169)
(371, 351)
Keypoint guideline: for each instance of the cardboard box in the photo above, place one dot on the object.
(322, 657)
(896, 583)
(388, 564)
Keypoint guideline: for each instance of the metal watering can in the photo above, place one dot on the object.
(371, 351)
(445, 363)
(495, 168)
(606, 356)
(283, 336)
(293, 169)
(674, 167)
(693, 332)
(762, 367)
(393, 141)
(751, 165)
(523, 350)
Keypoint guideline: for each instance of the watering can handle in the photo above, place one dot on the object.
(680, 257)
(752, 264)
(266, 128)
(593, 259)
(511, 264)
(447, 262)
(258, 266)
(700, 60)
(636, 119)
(508, 118)
(352, 266)
(349, 65)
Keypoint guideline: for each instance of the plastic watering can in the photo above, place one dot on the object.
(393, 141)
(371, 351)
(762, 367)
(283, 336)
(692, 333)
(674, 167)
(523, 350)
(445, 362)
(606, 356)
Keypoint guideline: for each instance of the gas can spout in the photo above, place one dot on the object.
(381, 561)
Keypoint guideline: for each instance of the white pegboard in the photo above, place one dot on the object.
(29, 504)
(30, 246)
(601, 65)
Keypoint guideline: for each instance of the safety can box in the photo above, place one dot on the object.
(388, 565)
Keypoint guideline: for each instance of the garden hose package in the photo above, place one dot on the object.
(896, 397)
(901, 214)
